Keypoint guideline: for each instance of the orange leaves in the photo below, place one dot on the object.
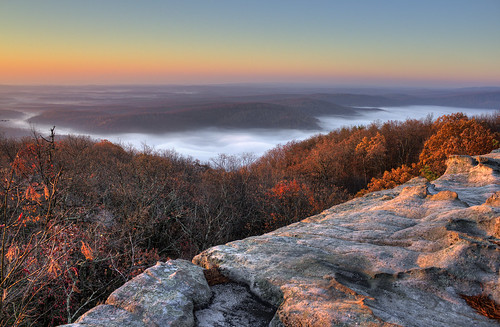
(32, 195)
(24, 162)
(372, 147)
(455, 134)
(287, 188)
(54, 268)
(371, 152)
(12, 252)
(46, 192)
(289, 201)
(87, 251)
(293, 191)
(390, 179)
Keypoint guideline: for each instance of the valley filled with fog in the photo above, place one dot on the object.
(207, 143)
(115, 114)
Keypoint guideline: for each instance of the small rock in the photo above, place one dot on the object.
(444, 195)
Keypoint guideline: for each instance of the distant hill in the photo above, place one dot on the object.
(10, 114)
(318, 107)
(482, 100)
(163, 109)
(160, 120)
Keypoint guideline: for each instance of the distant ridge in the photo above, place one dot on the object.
(174, 108)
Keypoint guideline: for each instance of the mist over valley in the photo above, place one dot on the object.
(204, 121)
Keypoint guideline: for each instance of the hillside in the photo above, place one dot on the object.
(415, 255)
(185, 118)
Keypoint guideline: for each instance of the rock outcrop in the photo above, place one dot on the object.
(409, 256)
(404, 256)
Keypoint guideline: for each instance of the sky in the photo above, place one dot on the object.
(330, 42)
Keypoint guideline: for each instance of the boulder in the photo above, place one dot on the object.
(163, 295)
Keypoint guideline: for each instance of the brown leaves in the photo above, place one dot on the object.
(54, 268)
(12, 252)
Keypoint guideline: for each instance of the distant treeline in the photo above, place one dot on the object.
(79, 217)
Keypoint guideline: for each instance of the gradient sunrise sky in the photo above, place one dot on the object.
(340, 42)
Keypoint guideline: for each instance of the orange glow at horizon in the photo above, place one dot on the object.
(86, 69)
(120, 66)
(138, 44)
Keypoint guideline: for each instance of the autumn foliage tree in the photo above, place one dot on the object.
(289, 201)
(454, 134)
(53, 265)
(372, 152)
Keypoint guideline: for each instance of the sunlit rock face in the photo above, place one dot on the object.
(163, 295)
(396, 257)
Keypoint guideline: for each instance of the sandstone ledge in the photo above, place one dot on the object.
(395, 257)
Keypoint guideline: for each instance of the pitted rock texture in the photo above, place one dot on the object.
(163, 295)
(398, 257)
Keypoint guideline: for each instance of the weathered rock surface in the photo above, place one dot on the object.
(395, 257)
(163, 295)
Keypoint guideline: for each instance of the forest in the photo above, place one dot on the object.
(80, 217)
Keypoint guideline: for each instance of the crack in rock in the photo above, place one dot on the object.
(233, 305)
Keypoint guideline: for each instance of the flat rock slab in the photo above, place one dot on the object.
(399, 257)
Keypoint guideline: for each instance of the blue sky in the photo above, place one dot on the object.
(440, 42)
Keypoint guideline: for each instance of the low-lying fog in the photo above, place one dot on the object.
(209, 143)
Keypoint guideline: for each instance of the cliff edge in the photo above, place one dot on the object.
(409, 256)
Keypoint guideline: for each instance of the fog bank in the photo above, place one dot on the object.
(205, 144)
